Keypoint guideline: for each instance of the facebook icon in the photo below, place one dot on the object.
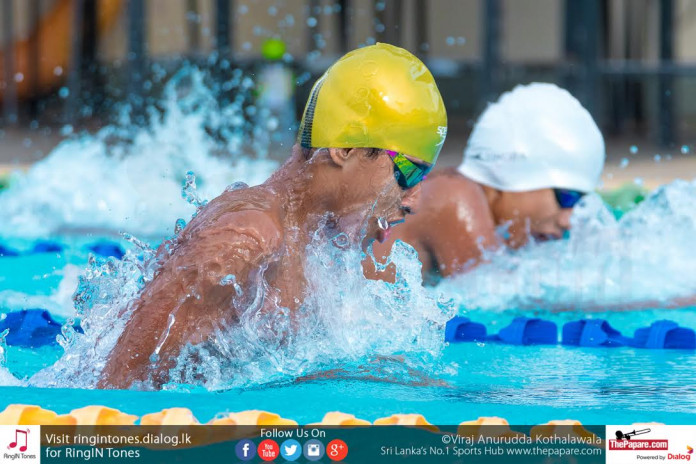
(246, 450)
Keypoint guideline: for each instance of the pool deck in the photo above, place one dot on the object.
(20, 147)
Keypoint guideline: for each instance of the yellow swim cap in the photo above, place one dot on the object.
(379, 96)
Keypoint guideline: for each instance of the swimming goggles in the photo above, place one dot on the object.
(567, 198)
(408, 173)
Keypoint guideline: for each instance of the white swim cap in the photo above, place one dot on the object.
(536, 136)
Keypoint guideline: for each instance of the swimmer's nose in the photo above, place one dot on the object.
(564, 218)
(411, 200)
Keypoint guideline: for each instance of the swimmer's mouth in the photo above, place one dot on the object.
(544, 237)
(385, 226)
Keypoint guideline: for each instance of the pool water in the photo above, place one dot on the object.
(525, 384)
(521, 384)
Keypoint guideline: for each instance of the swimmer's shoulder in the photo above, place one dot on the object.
(451, 204)
(449, 184)
(250, 215)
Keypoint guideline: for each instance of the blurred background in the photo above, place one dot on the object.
(66, 66)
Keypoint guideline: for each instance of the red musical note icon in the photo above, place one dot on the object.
(14, 443)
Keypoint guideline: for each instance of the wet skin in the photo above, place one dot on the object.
(457, 221)
(256, 234)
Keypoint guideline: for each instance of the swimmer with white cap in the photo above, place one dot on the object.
(531, 156)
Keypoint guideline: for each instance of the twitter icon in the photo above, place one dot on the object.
(290, 450)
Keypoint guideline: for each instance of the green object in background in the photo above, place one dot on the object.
(4, 182)
(624, 199)
(273, 49)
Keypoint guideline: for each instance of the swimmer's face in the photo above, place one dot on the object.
(369, 191)
(535, 213)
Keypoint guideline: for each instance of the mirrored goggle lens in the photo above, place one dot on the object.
(408, 173)
(567, 198)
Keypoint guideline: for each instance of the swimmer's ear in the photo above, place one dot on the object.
(339, 155)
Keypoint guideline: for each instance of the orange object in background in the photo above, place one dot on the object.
(52, 38)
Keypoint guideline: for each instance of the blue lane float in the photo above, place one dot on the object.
(107, 249)
(31, 328)
(6, 252)
(46, 246)
(664, 334)
(461, 329)
(102, 248)
(585, 333)
(592, 332)
(528, 331)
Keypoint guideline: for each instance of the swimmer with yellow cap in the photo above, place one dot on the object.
(531, 157)
(372, 129)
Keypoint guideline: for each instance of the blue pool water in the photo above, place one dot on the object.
(369, 348)
(521, 383)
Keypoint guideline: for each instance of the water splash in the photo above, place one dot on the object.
(125, 176)
(644, 257)
(358, 323)
(189, 192)
(102, 303)
(6, 377)
(231, 279)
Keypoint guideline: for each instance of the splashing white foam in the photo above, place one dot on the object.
(6, 377)
(340, 325)
(645, 257)
(128, 177)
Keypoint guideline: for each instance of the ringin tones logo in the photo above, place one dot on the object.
(20, 444)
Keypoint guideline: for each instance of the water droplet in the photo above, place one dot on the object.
(624, 163)
(3, 346)
(67, 334)
(445, 303)
(341, 241)
(311, 21)
(236, 186)
(19, 77)
(634, 149)
(450, 40)
(179, 226)
(638, 181)
(64, 92)
(657, 158)
(58, 71)
(272, 11)
(190, 193)
(303, 78)
(685, 149)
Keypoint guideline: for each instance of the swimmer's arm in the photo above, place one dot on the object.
(187, 287)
